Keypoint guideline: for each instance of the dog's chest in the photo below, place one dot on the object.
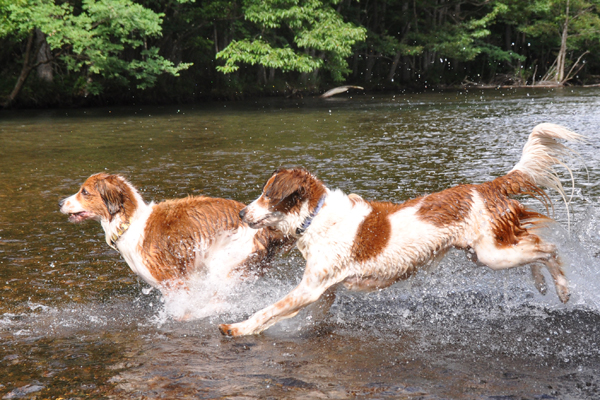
(129, 245)
(331, 236)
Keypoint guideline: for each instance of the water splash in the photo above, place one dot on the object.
(212, 298)
(455, 291)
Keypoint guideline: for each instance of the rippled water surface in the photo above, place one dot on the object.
(75, 322)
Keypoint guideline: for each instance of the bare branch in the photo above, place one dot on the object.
(569, 76)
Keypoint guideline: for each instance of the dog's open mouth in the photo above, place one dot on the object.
(257, 224)
(80, 216)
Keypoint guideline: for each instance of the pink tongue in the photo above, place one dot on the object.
(76, 217)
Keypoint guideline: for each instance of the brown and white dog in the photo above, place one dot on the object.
(168, 243)
(369, 245)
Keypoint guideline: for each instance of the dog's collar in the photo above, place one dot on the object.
(121, 229)
(309, 219)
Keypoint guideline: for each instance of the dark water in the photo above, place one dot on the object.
(75, 322)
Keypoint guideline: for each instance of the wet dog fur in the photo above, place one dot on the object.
(168, 243)
(368, 245)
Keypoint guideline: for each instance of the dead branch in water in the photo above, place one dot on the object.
(338, 90)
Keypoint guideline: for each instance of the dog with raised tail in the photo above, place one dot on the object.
(169, 243)
(368, 245)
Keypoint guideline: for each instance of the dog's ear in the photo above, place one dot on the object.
(111, 193)
(291, 200)
(286, 191)
(296, 190)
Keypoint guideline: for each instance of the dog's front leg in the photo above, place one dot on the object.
(312, 286)
(320, 308)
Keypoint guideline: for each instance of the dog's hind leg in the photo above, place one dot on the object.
(529, 250)
(538, 279)
(554, 266)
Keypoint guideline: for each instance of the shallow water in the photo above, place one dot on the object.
(75, 322)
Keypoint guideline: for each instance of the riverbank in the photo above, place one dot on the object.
(41, 95)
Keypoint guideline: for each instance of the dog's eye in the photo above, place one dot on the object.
(84, 192)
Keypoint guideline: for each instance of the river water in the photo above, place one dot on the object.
(76, 323)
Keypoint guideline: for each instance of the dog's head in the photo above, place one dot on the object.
(288, 198)
(101, 197)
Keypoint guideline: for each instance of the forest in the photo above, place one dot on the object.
(65, 53)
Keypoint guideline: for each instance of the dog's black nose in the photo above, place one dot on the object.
(242, 213)
(61, 202)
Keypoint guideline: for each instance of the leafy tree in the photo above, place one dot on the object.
(86, 47)
(415, 34)
(564, 25)
(294, 35)
(465, 40)
(100, 40)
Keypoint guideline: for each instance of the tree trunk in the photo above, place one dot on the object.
(390, 77)
(271, 75)
(215, 38)
(43, 57)
(355, 64)
(416, 18)
(507, 38)
(507, 43)
(428, 59)
(23, 76)
(562, 53)
(261, 75)
(371, 58)
(408, 70)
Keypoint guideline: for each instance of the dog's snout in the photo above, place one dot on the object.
(61, 203)
(243, 213)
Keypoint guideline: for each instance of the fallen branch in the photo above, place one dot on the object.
(569, 76)
(338, 90)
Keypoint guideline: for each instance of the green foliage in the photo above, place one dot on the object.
(247, 47)
(260, 52)
(466, 40)
(95, 41)
(290, 33)
(151, 66)
(549, 16)
(495, 53)
(389, 45)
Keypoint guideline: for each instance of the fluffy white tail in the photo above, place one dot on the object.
(542, 153)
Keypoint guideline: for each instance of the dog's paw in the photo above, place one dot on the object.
(183, 318)
(562, 289)
(229, 330)
(563, 293)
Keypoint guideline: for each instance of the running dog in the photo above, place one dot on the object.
(367, 245)
(167, 243)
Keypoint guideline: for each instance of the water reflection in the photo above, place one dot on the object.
(74, 321)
